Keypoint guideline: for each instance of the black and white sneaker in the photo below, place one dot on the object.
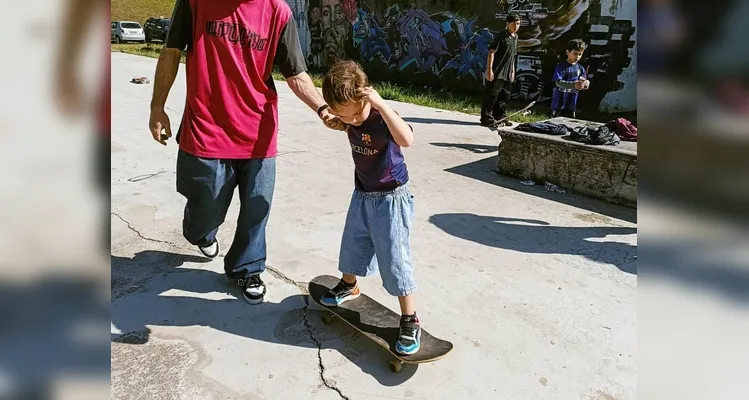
(409, 336)
(253, 289)
(210, 251)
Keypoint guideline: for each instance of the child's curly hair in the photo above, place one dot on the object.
(343, 82)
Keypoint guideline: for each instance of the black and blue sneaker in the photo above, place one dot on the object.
(341, 293)
(409, 338)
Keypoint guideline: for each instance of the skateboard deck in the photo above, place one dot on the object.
(377, 322)
(530, 105)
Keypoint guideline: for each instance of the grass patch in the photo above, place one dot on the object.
(389, 90)
(140, 10)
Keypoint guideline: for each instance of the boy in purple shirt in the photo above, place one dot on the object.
(380, 215)
(569, 78)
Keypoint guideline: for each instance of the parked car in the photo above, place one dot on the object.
(156, 29)
(127, 31)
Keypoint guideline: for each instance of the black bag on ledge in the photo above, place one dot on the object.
(601, 135)
(548, 128)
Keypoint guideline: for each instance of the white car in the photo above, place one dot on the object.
(127, 31)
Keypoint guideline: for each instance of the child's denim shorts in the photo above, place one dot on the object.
(378, 235)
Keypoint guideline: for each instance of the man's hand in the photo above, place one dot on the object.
(370, 94)
(489, 75)
(160, 121)
(331, 121)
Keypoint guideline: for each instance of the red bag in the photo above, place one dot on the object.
(623, 128)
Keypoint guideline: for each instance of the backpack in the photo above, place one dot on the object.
(601, 135)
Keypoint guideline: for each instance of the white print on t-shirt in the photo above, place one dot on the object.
(363, 150)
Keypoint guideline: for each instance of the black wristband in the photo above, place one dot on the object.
(322, 107)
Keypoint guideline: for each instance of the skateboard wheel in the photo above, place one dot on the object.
(395, 365)
(327, 318)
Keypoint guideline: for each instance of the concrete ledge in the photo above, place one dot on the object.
(604, 172)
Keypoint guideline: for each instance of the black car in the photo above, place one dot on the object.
(156, 29)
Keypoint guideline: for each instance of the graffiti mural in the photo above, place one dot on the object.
(444, 48)
(331, 30)
(299, 10)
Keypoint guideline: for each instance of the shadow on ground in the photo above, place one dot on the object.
(474, 148)
(49, 331)
(485, 170)
(533, 236)
(419, 120)
(280, 323)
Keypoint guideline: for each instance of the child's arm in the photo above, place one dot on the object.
(559, 81)
(565, 85)
(399, 129)
(402, 134)
(490, 59)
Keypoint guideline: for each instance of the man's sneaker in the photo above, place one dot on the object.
(409, 338)
(488, 123)
(253, 289)
(210, 251)
(341, 293)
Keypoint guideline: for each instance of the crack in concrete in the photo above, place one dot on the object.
(320, 365)
(303, 288)
(282, 277)
(140, 235)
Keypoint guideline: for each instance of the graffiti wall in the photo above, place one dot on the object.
(425, 43)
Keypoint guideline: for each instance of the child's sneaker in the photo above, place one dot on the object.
(409, 339)
(341, 293)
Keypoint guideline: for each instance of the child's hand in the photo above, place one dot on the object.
(582, 83)
(370, 94)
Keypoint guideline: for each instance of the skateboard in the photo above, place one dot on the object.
(378, 323)
(530, 105)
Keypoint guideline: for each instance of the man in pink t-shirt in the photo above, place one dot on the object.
(228, 133)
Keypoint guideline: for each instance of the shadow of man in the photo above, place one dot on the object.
(188, 297)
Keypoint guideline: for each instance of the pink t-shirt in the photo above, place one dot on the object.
(232, 47)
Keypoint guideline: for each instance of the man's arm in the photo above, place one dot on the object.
(178, 39)
(290, 61)
(166, 73)
(304, 88)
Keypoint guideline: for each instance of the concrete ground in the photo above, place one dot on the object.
(536, 289)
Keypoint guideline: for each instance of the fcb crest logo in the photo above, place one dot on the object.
(367, 139)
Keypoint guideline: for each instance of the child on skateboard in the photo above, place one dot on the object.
(378, 223)
(569, 78)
